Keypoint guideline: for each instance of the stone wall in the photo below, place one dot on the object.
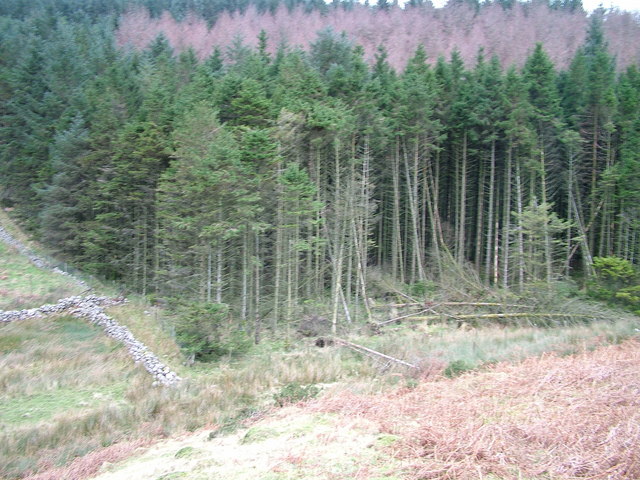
(7, 238)
(89, 308)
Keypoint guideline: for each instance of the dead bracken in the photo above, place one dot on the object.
(550, 417)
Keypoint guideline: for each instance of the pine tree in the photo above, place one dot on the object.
(539, 73)
(64, 199)
(592, 112)
(205, 197)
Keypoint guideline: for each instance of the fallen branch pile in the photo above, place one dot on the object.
(418, 316)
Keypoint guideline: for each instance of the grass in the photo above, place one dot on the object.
(437, 346)
(81, 393)
(23, 285)
(149, 325)
(288, 445)
(67, 391)
(60, 380)
(548, 417)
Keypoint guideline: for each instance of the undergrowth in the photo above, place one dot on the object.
(68, 390)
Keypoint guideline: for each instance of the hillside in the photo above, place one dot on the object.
(551, 417)
(73, 405)
(267, 187)
(251, 226)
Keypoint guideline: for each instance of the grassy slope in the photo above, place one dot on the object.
(61, 382)
(545, 418)
(65, 388)
(23, 285)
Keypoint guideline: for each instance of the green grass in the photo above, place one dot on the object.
(23, 285)
(467, 348)
(151, 326)
(62, 383)
(46, 405)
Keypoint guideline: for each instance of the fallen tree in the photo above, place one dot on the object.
(480, 316)
(364, 350)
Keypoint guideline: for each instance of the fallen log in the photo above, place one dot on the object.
(361, 349)
(402, 317)
(452, 304)
(487, 316)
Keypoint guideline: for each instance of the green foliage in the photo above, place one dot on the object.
(264, 181)
(186, 452)
(206, 332)
(420, 289)
(613, 281)
(630, 296)
(258, 434)
(456, 368)
(295, 392)
(543, 232)
(613, 270)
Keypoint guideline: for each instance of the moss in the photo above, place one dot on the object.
(172, 476)
(386, 440)
(186, 452)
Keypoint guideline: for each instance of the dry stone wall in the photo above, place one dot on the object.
(7, 238)
(90, 308)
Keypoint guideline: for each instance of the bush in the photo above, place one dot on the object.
(612, 274)
(457, 367)
(206, 332)
(614, 281)
(614, 271)
(294, 392)
(630, 296)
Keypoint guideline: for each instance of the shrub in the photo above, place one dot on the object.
(614, 281)
(206, 331)
(613, 270)
(294, 392)
(456, 367)
(612, 274)
(630, 296)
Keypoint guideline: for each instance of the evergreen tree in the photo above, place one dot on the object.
(64, 199)
(205, 196)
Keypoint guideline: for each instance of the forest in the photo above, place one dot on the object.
(264, 180)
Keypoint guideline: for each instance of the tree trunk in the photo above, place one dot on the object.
(462, 206)
(490, 213)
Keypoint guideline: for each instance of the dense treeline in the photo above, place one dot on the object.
(508, 33)
(211, 9)
(264, 181)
